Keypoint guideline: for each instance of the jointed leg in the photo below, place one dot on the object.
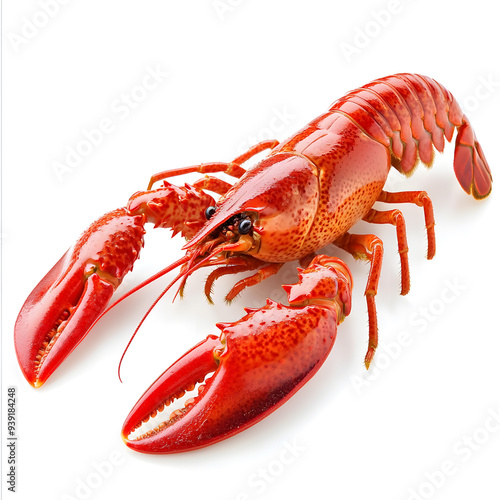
(256, 149)
(233, 168)
(236, 264)
(264, 272)
(369, 247)
(395, 217)
(421, 199)
(213, 184)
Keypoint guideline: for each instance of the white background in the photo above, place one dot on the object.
(236, 68)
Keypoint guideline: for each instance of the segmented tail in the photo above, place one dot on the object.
(410, 114)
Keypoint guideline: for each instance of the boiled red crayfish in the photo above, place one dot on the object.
(307, 193)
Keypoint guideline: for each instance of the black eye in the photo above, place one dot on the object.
(209, 212)
(245, 226)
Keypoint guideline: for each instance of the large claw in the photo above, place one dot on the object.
(62, 308)
(258, 363)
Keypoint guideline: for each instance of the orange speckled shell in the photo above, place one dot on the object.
(313, 187)
(352, 170)
(310, 190)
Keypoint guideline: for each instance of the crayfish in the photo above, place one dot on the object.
(305, 194)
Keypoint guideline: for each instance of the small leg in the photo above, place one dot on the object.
(368, 247)
(213, 184)
(256, 149)
(236, 264)
(263, 273)
(421, 199)
(395, 217)
(233, 168)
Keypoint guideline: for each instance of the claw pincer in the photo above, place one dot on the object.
(258, 363)
(63, 306)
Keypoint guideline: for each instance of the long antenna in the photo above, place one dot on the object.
(183, 274)
(147, 281)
